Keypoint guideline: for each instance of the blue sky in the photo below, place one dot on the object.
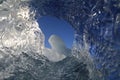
(51, 25)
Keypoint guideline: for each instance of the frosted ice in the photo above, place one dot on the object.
(96, 23)
(22, 42)
(19, 32)
(18, 28)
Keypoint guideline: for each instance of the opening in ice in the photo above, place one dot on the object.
(52, 25)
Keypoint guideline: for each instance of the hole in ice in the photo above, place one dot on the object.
(52, 25)
(58, 37)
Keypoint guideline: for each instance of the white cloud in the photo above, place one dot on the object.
(58, 51)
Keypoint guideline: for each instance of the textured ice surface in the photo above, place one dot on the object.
(19, 32)
(26, 67)
(22, 44)
(96, 44)
(96, 23)
(18, 28)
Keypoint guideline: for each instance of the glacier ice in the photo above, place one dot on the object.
(96, 23)
(25, 67)
(18, 28)
(22, 48)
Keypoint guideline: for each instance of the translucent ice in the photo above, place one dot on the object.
(96, 23)
(18, 28)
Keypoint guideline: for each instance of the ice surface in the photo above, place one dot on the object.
(25, 67)
(96, 44)
(22, 44)
(96, 23)
(18, 28)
